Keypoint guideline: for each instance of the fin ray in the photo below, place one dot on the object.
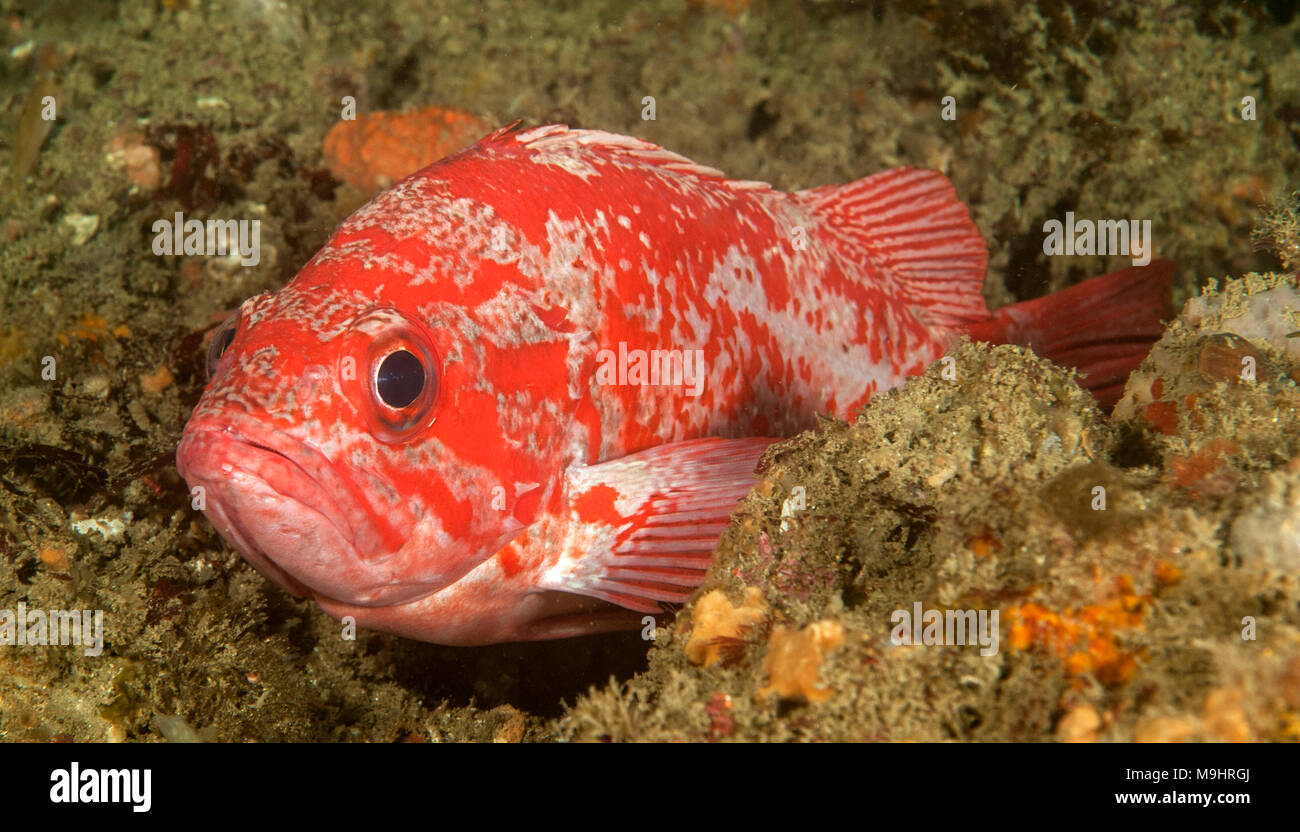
(642, 528)
(908, 226)
(1103, 326)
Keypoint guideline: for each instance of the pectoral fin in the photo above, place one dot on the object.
(642, 528)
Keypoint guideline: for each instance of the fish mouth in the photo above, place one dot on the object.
(289, 511)
(240, 539)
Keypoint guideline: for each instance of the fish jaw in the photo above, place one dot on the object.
(293, 515)
(488, 608)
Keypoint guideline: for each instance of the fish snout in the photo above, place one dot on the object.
(292, 512)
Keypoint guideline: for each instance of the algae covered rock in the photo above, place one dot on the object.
(983, 555)
(1216, 401)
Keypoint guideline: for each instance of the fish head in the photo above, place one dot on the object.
(358, 446)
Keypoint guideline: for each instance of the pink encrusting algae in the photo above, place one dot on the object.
(517, 395)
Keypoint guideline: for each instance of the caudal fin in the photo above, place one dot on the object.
(908, 227)
(1104, 326)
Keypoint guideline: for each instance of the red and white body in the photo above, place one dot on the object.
(527, 496)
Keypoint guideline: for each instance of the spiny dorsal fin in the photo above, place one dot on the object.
(910, 227)
(558, 141)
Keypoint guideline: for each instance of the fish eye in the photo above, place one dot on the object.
(221, 341)
(399, 379)
(397, 389)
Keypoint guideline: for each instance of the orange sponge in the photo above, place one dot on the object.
(717, 620)
(377, 149)
(794, 660)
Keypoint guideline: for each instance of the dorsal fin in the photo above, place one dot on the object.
(560, 140)
(908, 225)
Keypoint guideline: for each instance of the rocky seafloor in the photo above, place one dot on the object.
(1168, 614)
(1143, 567)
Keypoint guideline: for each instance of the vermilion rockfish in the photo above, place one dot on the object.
(468, 419)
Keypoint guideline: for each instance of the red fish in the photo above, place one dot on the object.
(518, 394)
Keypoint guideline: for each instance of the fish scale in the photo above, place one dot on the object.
(520, 495)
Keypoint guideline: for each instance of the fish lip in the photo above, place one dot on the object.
(254, 554)
(330, 492)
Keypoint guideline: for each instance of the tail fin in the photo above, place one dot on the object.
(908, 226)
(1104, 326)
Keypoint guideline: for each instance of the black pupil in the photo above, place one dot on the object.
(400, 379)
